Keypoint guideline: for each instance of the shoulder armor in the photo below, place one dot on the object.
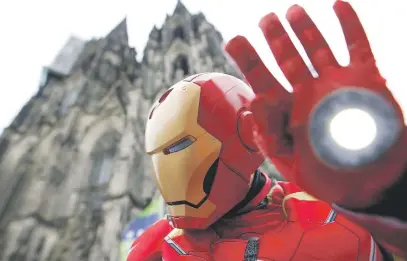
(148, 246)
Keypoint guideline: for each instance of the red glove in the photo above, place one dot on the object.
(293, 128)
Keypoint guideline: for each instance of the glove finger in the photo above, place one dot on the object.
(311, 38)
(284, 51)
(355, 36)
(252, 67)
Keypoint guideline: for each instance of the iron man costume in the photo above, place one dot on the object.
(207, 136)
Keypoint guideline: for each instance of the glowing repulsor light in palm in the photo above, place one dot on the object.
(353, 127)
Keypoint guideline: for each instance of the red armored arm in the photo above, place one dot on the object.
(293, 129)
(148, 246)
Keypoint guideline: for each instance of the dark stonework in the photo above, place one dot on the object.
(70, 196)
(21, 253)
(57, 177)
(107, 73)
(4, 145)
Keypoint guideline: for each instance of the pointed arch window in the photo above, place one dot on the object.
(181, 67)
(102, 160)
(179, 33)
(103, 157)
(102, 168)
(214, 45)
(68, 100)
(13, 195)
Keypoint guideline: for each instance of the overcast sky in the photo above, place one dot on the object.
(32, 32)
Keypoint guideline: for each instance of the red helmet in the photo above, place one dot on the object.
(199, 135)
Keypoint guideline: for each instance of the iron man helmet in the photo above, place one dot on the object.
(199, 135)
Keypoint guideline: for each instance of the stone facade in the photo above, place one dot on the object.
(72, 168)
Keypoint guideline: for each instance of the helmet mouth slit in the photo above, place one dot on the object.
(185, 202)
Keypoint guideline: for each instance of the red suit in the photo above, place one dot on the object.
(292, 226)
(208, 134)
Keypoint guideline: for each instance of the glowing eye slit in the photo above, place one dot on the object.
(165, 95)
(180, 145)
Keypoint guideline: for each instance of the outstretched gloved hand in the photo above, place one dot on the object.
(293, 128)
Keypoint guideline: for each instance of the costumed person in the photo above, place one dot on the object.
(206, 156)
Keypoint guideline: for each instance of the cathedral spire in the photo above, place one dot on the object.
(180, 8)
(119, 33)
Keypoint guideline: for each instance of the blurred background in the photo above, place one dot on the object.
(78, 79)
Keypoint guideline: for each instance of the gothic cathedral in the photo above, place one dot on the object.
(73, 171)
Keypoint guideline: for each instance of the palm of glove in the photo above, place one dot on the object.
(291, 127)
